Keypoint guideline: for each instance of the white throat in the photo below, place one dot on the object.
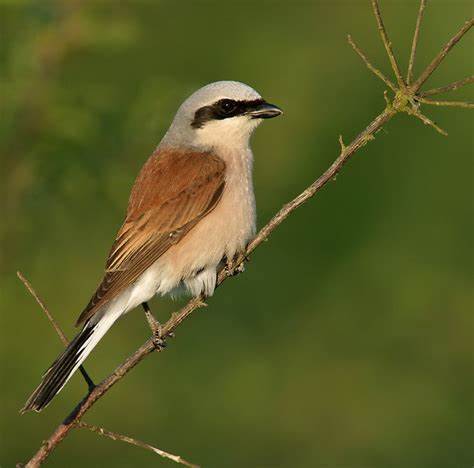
(229, 134)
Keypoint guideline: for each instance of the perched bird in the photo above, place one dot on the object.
(192, 207)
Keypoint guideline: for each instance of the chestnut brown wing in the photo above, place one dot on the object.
(172, 193)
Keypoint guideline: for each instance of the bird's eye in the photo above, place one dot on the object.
(227, 105)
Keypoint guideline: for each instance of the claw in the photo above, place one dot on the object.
(159, 343)
(236, 270)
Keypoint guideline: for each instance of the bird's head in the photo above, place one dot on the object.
(223, 113)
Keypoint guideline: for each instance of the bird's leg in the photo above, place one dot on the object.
(155, 327)
(89, 381)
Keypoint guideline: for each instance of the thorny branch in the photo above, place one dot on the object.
(406, 99)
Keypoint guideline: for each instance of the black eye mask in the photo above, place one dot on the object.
(224, 109)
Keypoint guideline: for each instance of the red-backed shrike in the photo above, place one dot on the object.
(191, 207)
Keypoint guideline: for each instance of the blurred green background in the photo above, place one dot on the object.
(349, 340)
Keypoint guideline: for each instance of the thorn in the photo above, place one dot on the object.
(341, 142)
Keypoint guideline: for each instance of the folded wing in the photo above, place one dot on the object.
(172, 193)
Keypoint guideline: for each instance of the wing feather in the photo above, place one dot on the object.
(172, 193)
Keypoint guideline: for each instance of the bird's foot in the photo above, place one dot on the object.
(157, 331)
(155, 327)
(234, 270)
(239, 269)
(159, 343)
(158, 339)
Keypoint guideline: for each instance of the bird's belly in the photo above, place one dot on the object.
(193, 262)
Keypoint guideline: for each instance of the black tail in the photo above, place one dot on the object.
(60, 371)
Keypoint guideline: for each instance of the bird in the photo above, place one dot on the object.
(191, 209)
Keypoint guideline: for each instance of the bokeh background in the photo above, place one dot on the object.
(349, 340)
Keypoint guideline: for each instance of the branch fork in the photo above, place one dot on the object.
(407, 98)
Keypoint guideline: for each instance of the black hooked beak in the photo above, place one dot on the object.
(264, 110)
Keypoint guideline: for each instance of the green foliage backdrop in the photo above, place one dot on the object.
(348, 341)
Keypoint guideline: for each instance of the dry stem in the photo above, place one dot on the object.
(450, 87)
(414, 44)
(387, 44)
(53, 322)
(374, 70)
(427, 121)
(129, 440)
(466, 105)
(442, 55)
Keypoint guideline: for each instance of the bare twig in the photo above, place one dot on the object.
(374, 70)
(405, 100)
(441, 55)
(414, 44)
(129, 440)
(466, 105)
(53, 322)
(427, 121)
(387, 44)
(450, 87)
